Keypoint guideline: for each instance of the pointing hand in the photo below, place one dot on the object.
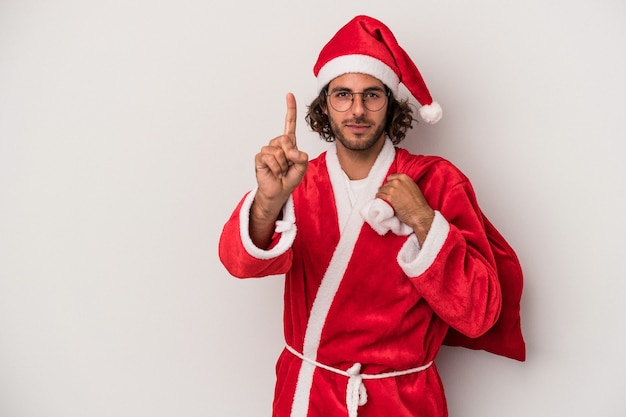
(279, 165)
(279, 168)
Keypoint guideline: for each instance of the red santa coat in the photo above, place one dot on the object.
(359, 293)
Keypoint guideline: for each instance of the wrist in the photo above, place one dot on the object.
(262, 221)
(421, 225)
(265, 210)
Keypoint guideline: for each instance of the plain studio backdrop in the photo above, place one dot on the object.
(127, 136)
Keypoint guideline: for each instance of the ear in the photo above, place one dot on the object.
(323, 105)
(324, 99)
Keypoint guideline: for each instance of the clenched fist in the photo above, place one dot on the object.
(408, 203)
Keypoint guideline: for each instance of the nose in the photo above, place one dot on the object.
(358, 107)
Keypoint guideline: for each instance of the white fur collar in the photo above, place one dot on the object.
(375, 178)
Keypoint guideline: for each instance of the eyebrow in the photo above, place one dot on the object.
(346, 89)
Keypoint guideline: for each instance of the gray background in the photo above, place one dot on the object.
(127, 136)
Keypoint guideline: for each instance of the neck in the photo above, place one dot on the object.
(358, 163)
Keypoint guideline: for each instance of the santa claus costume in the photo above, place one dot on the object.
(367, 307)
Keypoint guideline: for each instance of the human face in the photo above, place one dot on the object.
(357, 129)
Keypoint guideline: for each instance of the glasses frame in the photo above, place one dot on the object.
(352, 94)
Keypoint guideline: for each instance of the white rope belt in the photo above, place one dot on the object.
(356, 395)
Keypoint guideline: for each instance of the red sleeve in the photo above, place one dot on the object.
(238, 260)
(461, 284)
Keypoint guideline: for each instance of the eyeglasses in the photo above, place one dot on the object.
(373, 100)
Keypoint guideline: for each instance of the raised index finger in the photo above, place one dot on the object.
(290, 118)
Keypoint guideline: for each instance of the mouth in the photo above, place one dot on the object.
(357, 127)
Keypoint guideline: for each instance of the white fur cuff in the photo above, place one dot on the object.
(415, 260)
(286, 227)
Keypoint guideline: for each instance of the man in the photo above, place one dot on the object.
(384, 252)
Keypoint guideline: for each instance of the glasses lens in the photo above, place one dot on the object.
(341, 100)
(374, 101)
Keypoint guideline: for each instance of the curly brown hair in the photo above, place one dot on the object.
(399, 118)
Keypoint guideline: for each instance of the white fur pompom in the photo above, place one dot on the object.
(431, 113)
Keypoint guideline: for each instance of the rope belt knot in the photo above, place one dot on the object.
(356, 394)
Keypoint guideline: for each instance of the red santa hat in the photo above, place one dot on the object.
(365, 45)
